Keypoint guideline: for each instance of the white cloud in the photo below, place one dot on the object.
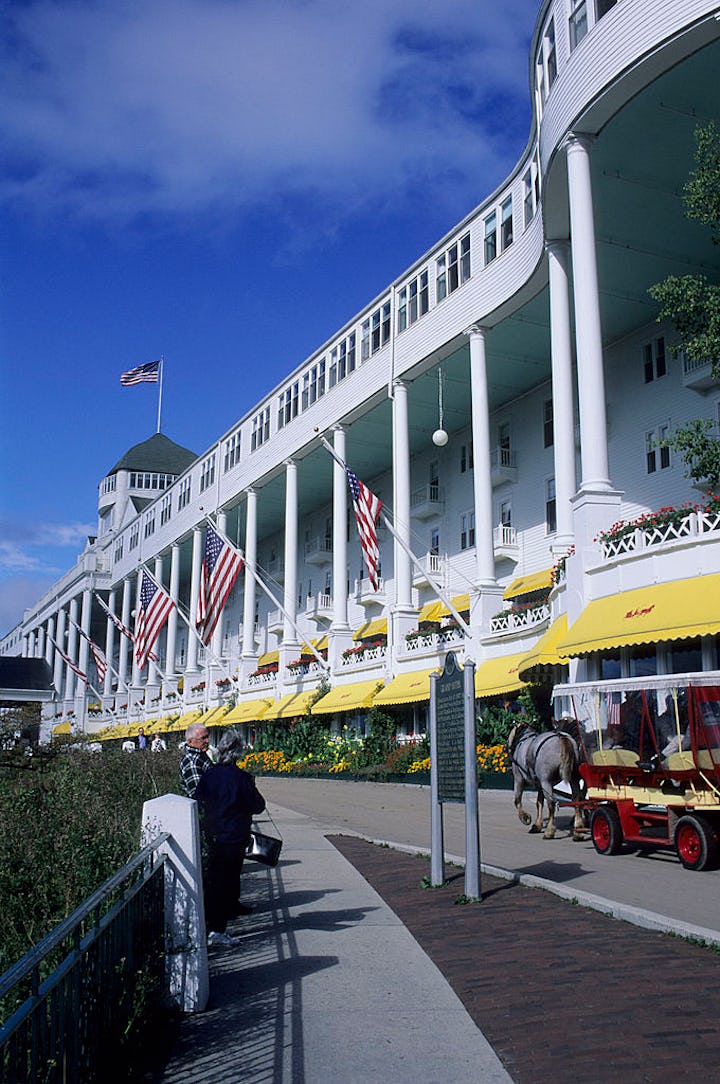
(188, 104)
(26, 547)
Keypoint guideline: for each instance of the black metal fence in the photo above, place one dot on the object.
(70, 1005)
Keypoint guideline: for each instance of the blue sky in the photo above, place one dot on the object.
(224, 182)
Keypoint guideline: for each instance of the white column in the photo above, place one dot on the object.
(84, 647)
(125, 645)
(192, 651)
(291, 552)
(482, 472)
(588, 332)
(58, 666)
(41, 642)
(401, 494)
(71, 651)
(216, 644)
(340, 511)
(562, 390)
(152, 678)
(110, 644)
(49, 649)
(172, 620)
(32, 644)
(248, 645)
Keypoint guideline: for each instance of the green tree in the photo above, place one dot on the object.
(692, 303)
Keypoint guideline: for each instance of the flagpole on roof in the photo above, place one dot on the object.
(435, 586)
(160, 389)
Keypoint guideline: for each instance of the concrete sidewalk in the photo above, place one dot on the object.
(327, 985)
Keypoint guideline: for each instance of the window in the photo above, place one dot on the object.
(528, 198)
(657, 457)
(654, 360)
(207, 472)
(550, 507)
(150, 523)
(490, 238)
(452, 268)
(434, 480)
(149, 480)
(466, 457)
(578, 22)
(506, 223)
(413, 301)
(313, 384)
(342, 358)
(165, 509)
(375, 332)
(260, 429)
(435, 541)
(548, 427)
(288, 404)
(232, 452)
(604, 6)
(134, 536)
(467, 530)
(119, 547)
(506, 514)
(546, 65)
(184, 492)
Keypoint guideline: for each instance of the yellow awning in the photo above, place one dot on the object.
(358, 694)
(322, 643)
(268, 658)
(406, 689)
(498, 676)
(250, 711)
(184, 721)
(664, 611)
(287, 707)
(376, 627)
(460, 602)
(545, 652)
(213, 716)
(62, 728)
(431, 611)
(157, 725)
(525, 585)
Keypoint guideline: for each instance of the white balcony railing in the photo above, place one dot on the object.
(426, 501)
(430, 643)
(690, 527)
(366, 594)
(525, 619)
(366, 659)
(504, 538)
(433, 564)
(319, 551)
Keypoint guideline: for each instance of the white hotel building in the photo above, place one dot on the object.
(530, 326)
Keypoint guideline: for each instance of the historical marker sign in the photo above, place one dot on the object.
(450, 723)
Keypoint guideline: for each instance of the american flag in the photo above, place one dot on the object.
(155, 607)
(73, 666)
(119, 625)
(149, 373)
(100, 660)
(367, 508)
(220, 568)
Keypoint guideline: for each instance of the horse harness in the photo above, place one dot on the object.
(524, 735)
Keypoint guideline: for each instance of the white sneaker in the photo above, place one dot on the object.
(215, 938)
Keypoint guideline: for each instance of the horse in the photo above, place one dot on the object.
(542, 761)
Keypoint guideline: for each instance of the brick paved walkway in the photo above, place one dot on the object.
(561, 992)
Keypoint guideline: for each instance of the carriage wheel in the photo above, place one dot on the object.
(605, 830)
(695, 843)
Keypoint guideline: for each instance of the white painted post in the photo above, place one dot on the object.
(186, 973)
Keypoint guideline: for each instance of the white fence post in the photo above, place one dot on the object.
(186, 968)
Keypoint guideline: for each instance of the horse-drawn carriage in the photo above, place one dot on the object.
(651, 762)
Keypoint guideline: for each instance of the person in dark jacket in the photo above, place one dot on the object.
(228, 798)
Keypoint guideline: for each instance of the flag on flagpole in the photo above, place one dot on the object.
(155, 607)
(115, 619)
(367, 509)
(73, 666)
(149, 373)
(100, 660)
(220, 568)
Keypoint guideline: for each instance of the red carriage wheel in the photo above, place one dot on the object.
(695, 843)
(605, 830)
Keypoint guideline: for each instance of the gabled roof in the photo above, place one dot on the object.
(158, 453)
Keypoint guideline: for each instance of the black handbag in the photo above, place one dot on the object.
(263, 848)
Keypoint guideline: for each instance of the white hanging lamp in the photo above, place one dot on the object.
(440, 437)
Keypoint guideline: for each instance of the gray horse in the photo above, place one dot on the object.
(542, 761)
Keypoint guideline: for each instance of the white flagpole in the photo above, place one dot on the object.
(160, 389)
(435, 586)
(109, 665)
(323, 662)
(85, 678)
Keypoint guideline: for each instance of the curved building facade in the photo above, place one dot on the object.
(530, 327)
